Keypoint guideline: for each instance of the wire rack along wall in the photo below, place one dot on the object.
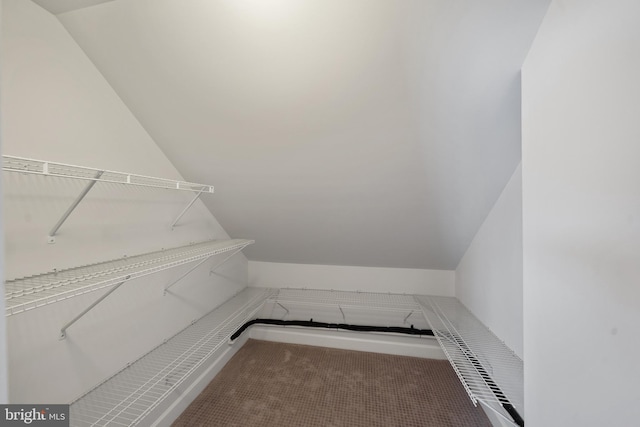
(490, 372)
(30, 292)
(92, 176)
(130, 395)
(334, 298)
(369, 307)
(62, 170)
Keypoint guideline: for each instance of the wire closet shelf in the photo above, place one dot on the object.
(62, 170)
(345, 299)
(490, 372)
(346, 307)
(30, 292)
(128, 397)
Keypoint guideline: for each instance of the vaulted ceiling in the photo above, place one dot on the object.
(347, 132)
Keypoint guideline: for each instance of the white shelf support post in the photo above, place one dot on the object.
(225, 260)
(63, 330)
(285, 309)
(187, 207)
(406, 318)
(51, 237)
(186, 273)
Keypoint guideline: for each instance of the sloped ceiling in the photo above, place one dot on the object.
(62, 6)
(359, 132)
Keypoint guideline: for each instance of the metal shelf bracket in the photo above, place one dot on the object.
(285, 309)
(63, 330)
(197, 196)
(213, 269)
(186, 273)
(51, 237)
(406, 318)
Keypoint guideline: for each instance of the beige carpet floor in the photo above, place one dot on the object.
(274, 384)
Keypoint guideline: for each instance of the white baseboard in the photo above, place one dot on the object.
(400, 345)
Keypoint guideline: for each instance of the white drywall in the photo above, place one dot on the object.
(365, 279)
(4, 397)
(4, 377)
(363, 132)
(581, 216)
(489, 276)
(57, 106)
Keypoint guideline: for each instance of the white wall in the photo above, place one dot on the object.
(345, 278)
(3, 335)
(363, 132)
(4, 377)
(57, 106)
(489, 276)
(581, 222)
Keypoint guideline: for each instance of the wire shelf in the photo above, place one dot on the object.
(130, 395)
(35, 291)
(355, 308)
(344, 299)
(62, 170)
(490, 372)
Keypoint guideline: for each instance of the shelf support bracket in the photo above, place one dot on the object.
(185, 274)
(63, 330)
(51, 237)
(408, 315)
(187, 207)
(284, 308)
(225, 260)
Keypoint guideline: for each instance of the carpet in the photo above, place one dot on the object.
(273, 384)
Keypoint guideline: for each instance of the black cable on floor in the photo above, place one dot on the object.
(312, 324)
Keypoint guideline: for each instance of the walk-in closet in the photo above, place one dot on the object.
(319, 213)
